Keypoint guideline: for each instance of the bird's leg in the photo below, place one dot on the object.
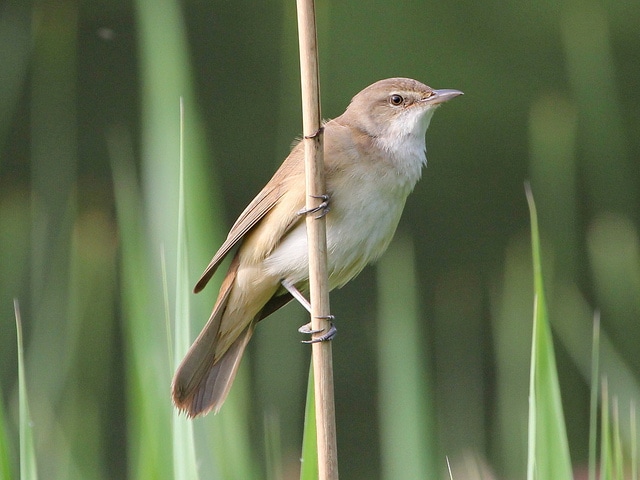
(307, 329)
(297, 294)
(323, 208)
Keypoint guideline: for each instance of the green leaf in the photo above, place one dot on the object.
(548, 455)
(185, 466)
(406, 449)
(28, 470)
(5, 459)
(593, 407)
(309, 459)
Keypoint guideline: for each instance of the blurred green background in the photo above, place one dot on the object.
(89, 149)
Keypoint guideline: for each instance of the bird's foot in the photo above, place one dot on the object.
(308, 330)
(323, 208)
(315, 134)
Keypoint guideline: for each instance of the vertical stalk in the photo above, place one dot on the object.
(317, 241)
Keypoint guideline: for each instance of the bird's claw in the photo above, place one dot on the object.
(308, 330)
(323, 208)
(315, 134)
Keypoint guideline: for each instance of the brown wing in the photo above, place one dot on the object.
(256, 210)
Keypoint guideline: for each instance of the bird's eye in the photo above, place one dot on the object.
(396, 99)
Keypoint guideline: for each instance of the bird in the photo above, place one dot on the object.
(374, 154)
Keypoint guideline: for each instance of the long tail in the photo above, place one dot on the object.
(210, 392)
(203, 379)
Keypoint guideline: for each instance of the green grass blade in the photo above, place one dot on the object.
(548, 446)
(606, 463)
(404, 399)
(166, 75)
(533, 421)
(148, 366)
(184, 451)
(28, 469)
(593, 407)
(617, 443)
(309, 459)
(634, 440)
(5, 458)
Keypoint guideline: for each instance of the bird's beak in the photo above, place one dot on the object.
(441, 96)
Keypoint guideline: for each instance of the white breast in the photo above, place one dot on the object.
(361, 222)
(365, 206)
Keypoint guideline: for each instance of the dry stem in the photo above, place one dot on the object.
(316, 235)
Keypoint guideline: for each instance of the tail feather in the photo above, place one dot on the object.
(201, 377)
(214, 387)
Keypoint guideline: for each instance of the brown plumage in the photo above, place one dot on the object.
(374, 155)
